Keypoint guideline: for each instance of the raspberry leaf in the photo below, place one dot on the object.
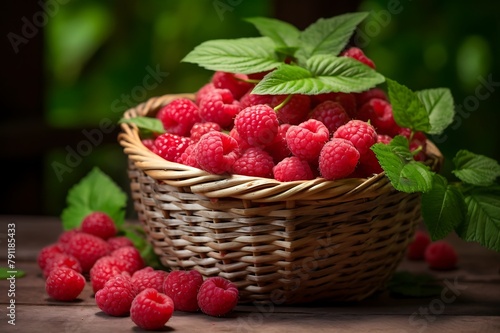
(443, 208)
(282, 33)
(95, 192)
(439, 105)
(242, 55)
(146, 125)
(475, 169)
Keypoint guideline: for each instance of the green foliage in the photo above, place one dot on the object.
(475, 169)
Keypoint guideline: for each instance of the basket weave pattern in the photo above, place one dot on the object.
(282, 242)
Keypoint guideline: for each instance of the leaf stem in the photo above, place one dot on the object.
(282, 104)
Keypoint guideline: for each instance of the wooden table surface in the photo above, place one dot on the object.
(471, 302)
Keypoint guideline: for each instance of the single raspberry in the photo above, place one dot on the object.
(188, 156)
(216, 152)
(115, 298)
(292, 168)
(66, 236)
(119, 241)
(203, 91)
(131, 256)
(242, 144)
(254, 162)
(360, 133)
(383, 138)
(104, 269)
(148, 277)
(306, 139)
(182, 287)
(219, 106)
(217, 296)
(99, 224)
(62, 260)
(416, 249)
(199, 129)
(330, 113)
(369, 164)
(64, 284)
(149, 143)
(151, 310)
(250, 99)
(48, 253)
(358, 54)
(441, 255)
(294, 111)
(257, 125)
(338, 159)
(278, 149)
(87, 249)
(236, 83)
(365, 96)
(179, 116)
(171, 146)
(379, 113)
(347, 100)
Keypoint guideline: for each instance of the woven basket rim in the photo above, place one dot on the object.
(241, 186)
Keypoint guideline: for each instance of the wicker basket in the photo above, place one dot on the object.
(289, 242)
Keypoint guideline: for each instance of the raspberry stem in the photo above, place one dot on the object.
(282, 104)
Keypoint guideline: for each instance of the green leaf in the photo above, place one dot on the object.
(95, 192)
(482, 223)
(323, 73)
(6, 273)
(475, 169)
(243, 55)
(282, 33)
(414, 285)
(145, 124)
(405, 174)
(407, 108)
(329, 36)
(440, 107)
(443, 208)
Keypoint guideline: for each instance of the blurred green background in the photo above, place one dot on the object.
(102, 57)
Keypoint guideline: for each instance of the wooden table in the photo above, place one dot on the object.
(470, 301)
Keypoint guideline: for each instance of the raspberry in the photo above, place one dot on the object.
(441, 255)
(104, 269)
(171, 146)
(383, 138)
(233, 82)
(199, 129)
(330, 113)
(148, 277)
(48, 253)
(294, 111)
(216, 152)
(87, 249)
(242, 144)
(416, 249)
(179, 116)
(182, 287)
(338, 159)
(62, 260)
(254, 162)
(306, 139)
(360, 133)
(99, 224)
(257, 125)
(188, 156)
(151, 310)
(347, 100)
(131, 256)
(119, 241)
(365, 96)
(64, 284)
(358, 54)
(66, 236)
(115, 298)
(369, 164)
(250, 99)
(292, 168)
(379, 113)
(149, 143)
(203, 91)
(219, 106)
(278, 149)
(217, 296)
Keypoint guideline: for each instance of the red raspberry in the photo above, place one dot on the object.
(66, 236)
(358, 54)
(171, 146)
(236, 83)
(306, 139)
(104, 269)
(188, 157)
(179, 116)
(151, 310)
(330, 113)
(242, 144)
(292, 168)
(64, 284)
(48, 253)
(365, 96)
(416, 249)
(182, 287)
(383, 138)
(203, 91)
(219, 106)
(148, 277)
(254, 162)
(294, 111)
(87, 249)
(257, 125)
(217, 296)
(149, 143)
(278, 149)
(338, 159)
(360, 133)
(347, 100)
(99, 224)
(369, 164)
(119, 241)
(379, 113)
(258, 76)
(131, 256)
(250, 99)
(441, 255)
(216, 152)
(62, 260)
(115, 298)
(199, 129)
